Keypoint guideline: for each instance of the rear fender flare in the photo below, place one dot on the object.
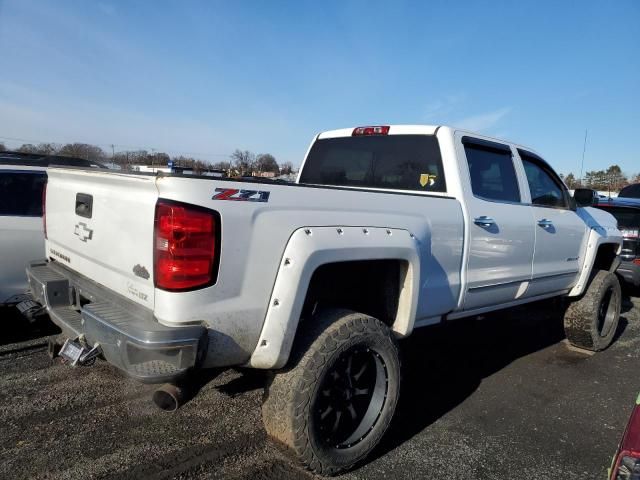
(310, 247)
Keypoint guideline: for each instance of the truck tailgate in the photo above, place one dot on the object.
(100, 224)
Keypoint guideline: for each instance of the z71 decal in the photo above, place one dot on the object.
(240, 195)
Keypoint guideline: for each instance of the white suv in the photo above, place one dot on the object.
(22, 180)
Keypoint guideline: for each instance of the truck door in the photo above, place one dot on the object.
(501, 228)
(560, 232)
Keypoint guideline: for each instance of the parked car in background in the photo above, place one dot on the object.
(627, 212)
(22, 180)
(626, 462)
(630, 191)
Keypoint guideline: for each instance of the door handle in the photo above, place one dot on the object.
(84, 205)
(484, 221)
(544, 223)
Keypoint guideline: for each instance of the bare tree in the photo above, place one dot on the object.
(160, 159)
(182, 161)
(571, 181)
(48, 148)
(610, 179)
(41, 148)
(615, 178)
(28, 148)
(244, 161)
(265, 162)
(286, 168)
(83, 150)
(221, 166)
(139, 157)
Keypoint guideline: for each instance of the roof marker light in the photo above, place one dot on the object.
(366, 131)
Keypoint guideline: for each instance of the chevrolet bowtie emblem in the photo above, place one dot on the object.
(83, 232)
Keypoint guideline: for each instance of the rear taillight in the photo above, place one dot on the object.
(44, 209)
(363, 131)
(626, 465)
(185, 244)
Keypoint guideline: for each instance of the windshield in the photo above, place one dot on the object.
(399, 162)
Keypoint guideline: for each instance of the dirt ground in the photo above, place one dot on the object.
(500, 397)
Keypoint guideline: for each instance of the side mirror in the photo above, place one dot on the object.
(585, 197)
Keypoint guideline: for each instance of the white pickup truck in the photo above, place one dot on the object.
(388, 228)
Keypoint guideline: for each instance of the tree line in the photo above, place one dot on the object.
(246, 163)
(239, 163)
(611, 179)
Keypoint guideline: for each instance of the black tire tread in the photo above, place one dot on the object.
(284, 419)
(579, 316)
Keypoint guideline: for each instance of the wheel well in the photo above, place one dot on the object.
(605, 257)
(368, 286)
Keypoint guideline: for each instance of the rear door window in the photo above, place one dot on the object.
(21, 193)
(493, 176)
(395, 162)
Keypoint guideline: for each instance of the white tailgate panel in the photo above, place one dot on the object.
(118, 237)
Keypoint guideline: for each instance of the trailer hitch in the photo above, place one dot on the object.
(77, 354)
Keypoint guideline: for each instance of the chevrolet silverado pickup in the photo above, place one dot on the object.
(387, 229)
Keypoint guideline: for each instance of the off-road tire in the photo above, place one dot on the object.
(584, 323)
(293, 393)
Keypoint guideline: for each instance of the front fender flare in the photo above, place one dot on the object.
(598, 236)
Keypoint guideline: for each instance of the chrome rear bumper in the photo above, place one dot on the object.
(130, 338)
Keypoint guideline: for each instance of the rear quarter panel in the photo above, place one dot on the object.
(255, 235)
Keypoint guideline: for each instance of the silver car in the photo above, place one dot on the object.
(23, 178)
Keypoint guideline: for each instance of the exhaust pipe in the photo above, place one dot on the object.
(170, 397)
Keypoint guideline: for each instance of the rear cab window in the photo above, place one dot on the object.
(393, 162)
(630, 191)
(21, 192)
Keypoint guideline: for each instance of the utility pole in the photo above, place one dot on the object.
(584, 149)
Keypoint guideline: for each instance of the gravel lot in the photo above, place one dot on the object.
(500, 397)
